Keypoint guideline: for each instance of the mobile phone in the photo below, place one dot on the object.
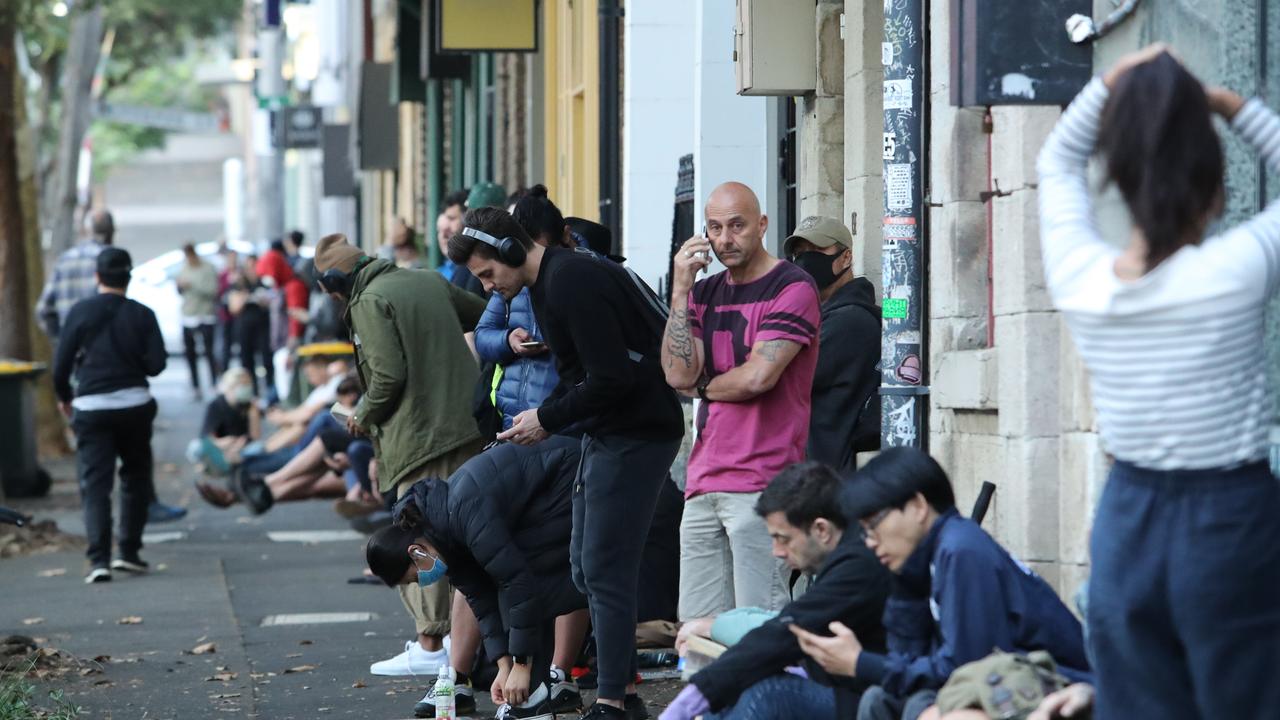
(533, 344)
(340, 412)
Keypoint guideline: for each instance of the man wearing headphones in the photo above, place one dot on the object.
(418, 375)
(604, 327)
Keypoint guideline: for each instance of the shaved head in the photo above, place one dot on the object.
(735, 225)
(736, 195)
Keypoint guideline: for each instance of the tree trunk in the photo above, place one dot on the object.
(15, 311)
(51, 431)
(83, 51)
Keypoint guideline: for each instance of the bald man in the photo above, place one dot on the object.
(745, 342)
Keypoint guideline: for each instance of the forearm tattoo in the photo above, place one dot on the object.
(679, 339)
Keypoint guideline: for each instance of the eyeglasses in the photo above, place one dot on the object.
(868, 527)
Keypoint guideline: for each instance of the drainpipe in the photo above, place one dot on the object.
(904, 385)
(610, 142)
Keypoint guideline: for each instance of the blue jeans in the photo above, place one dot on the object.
(781, 697)
(876, 704)
(269, 462)
(359, 455)
(1184, 594)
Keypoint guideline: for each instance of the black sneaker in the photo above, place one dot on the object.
(464, 702)
(540, 711)
(98, 575)
(600, 711)
(135, 565)
(565, 695)
(635, 707)
(253, 491)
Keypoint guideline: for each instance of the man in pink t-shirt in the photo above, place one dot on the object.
(744, 341)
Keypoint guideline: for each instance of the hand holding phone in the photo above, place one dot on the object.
(341, 412)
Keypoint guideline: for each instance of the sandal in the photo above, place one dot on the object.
(216, 496)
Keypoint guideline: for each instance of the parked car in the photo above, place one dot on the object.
(153, 285)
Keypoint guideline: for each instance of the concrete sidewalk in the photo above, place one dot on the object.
(293, 639)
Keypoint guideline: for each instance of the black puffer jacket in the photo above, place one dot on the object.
(502, 523)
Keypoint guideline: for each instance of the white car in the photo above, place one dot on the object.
(153, 285)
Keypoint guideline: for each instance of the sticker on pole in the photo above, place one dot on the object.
(900, 228)
(894, 309)
(897, 186)
(897, 94)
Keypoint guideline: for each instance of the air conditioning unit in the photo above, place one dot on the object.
(775, 47)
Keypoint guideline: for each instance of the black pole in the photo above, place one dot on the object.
(610, 142)
(904, 382)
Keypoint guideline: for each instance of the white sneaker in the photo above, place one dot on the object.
(413, 661)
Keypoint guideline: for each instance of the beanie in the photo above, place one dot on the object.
(334, 252)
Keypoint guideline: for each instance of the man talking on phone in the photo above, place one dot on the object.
(745, 342)
(611, 386)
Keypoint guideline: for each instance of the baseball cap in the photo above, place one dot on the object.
(821, 231)
(486, 194)
(114, 261)
(892, 478)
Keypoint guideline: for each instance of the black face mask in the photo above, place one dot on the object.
(818, 265)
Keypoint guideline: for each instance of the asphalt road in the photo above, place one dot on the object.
(221, 577)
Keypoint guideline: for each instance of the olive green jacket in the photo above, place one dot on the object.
(419, 376)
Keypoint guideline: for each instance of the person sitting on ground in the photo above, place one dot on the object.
(404, 249)
(801, 508)
(499, 530)
(314, 471)
(958, 594)
(232, 423)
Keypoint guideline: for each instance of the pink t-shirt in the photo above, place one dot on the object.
(741, 446)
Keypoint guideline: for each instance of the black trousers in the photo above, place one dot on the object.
(255, 345)
(102, 437)
(614, 497)
(205, 333)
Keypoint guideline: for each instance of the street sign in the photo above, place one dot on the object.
(298, 127)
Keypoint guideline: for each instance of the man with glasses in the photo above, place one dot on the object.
(957, 593)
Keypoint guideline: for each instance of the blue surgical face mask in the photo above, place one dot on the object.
(437, 571)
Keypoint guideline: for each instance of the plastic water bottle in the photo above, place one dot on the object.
(445, 703)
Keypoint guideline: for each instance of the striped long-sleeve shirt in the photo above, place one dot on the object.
(1176, 358)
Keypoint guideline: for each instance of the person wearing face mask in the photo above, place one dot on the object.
(845, 416)
(499, 531)
(232, 420)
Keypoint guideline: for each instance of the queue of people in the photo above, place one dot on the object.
(517, 412)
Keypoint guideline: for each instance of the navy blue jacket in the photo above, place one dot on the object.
(979, 599)
(526, 381)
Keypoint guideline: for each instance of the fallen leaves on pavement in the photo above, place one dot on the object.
(300, 669)
(52, 572)
(204, 649)
(130, 620)
(37, 538)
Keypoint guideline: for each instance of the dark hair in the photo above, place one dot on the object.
(1163, 154)
(804, 492)
(114, 280)
(539, 216)
(457, 197)
(387, 553)
(515, 196)
(296, 237)
(189, 248)
(103, 226)
(905, 471)
(494, 221)
(348, 386)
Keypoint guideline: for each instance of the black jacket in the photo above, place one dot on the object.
(502, 523)
(121, 342)
(850, 587)
(845, 417)
(594, 319)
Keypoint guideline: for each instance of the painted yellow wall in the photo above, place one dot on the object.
(571, 85)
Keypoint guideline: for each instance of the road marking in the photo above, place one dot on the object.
(317, 618)
(162, 537)
(314, 536)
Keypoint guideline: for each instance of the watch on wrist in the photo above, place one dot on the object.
(702, 389)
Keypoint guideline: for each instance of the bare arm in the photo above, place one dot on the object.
(682, 358)
(758, 375)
